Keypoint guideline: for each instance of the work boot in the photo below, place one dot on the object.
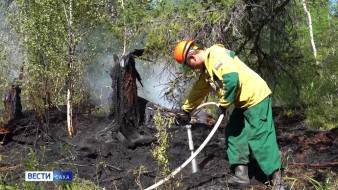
(240, 179)
(277, 182)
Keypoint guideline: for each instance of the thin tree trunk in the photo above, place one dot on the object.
(311, 31)
(272, 33)
(46, 105)
(124, 31)
(69, 77)
(69, 112)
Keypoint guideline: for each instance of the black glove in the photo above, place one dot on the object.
(187, 116)
(222, 110)
(184, 117)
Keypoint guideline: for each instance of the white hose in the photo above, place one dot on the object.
(194, 167)
(211, 134)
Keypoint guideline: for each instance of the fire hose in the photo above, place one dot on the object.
(193, 155)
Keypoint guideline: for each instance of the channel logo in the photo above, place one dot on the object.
(48, 176)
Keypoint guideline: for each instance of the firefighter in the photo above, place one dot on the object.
(250, 129)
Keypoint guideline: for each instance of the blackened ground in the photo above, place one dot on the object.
(97, 155)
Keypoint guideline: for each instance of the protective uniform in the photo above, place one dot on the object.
(250, 126)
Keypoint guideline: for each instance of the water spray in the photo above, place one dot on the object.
(193, 155)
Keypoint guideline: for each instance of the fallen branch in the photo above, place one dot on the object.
(10, 167)
(114, 167)
(320, 165)
(81, 165)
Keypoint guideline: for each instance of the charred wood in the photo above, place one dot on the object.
(124, 102)
(12, 103)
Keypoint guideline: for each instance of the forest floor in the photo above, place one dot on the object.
(95, 154)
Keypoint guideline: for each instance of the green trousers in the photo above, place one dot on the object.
(252, 130)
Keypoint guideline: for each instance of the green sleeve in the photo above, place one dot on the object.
(231, 85)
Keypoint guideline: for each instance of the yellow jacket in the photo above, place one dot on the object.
(230, 79)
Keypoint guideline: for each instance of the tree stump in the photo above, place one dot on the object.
(12, 103)
(124, 106)
(13, 108)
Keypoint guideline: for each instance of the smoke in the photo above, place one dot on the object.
(11, 53)
(98, 81)
(153, 77)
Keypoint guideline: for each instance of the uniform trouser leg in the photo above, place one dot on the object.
(253, 129)
(236, 138)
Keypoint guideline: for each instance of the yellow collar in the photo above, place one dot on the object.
(207, 59)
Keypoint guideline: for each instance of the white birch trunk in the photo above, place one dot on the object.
(69, 78)
(124, 31)
(311, 31)
(69, 113)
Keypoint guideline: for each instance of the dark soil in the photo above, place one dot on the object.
(96, 154)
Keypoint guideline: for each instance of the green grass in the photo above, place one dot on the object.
(307, 182)
(323, 115)
(35, 161)
(76, 184)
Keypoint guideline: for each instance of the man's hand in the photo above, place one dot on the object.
(222, 110)
(186, 116)
(183, 117)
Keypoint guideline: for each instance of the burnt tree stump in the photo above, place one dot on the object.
(13, 108)
(12, 103)
(124, 105)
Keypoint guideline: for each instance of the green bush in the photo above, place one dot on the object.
(323, 115)
(160, 151)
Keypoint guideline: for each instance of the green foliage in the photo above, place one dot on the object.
(160, 151)
(323, 115)
(138, 172)
(64, 149)
(177, 20)
(32, 163)
(3, 183)
(41, 30)
(81, 184)
(100, 111)
(212, 109)
(271, 38)
(304, 83)
(319, 92)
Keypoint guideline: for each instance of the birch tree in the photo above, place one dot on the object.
(124, 29)
(311, 32)
(49, 32)
(69, 16)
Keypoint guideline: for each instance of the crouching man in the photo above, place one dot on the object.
(250, 128)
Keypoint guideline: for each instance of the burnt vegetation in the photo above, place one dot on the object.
(112, 148)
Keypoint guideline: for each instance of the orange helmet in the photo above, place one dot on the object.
(181, 50)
